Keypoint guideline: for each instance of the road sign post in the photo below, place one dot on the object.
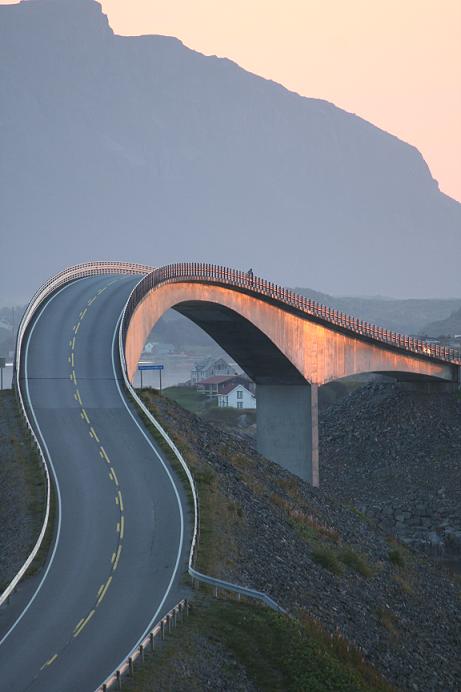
(151, 366)
(2, 365)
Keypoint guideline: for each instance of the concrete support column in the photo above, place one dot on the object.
(287, 427)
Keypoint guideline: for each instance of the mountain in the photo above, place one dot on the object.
(139, 148)
(407, 316)
(445, 327)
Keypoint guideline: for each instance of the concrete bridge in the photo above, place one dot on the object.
(287, 344)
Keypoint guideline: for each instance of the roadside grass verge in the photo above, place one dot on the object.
(187, 397)
(219, 519)
(271, 651)
(23, 483)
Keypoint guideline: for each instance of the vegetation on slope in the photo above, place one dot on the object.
(325, 563)
(22, 492)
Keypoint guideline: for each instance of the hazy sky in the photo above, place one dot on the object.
(396, 63)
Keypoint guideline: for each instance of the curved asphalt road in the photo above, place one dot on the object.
(120, 546)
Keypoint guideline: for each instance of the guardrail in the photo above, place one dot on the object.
(245, 281)
(127, 667)
(49, 287)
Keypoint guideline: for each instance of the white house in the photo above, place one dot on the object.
(210, 367)
(236, 396)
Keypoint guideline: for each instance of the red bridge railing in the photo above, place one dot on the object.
(211, 273)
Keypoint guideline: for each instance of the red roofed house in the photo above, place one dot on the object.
(213, 386)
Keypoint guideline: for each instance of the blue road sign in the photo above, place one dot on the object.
(151, 367)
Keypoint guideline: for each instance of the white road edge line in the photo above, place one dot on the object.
(181, 542)
(48, 457)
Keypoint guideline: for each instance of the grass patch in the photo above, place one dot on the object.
(396, 557)
(388, 620)
(275, 652)
(230, 416)
(327, 558)
(188, 398)
(356, 562)
(404, 584)
(23, 465)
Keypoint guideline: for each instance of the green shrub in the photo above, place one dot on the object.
(327, 559)
(356, 562)
(396, 557)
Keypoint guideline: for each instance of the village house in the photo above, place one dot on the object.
(210, 367)
(213, 386)
(236, 396)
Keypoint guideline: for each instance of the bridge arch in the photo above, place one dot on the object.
(287, 350)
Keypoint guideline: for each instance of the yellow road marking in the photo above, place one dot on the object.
(101, 290)
(77, 327)
(85, 622)
(83, 313)
(104, 591)
(103, 454)
(91, 301)
(122, 527)
(90, 433)
(118, 527)
(74, 377)
(84, 414)
(72, 358)
(48, 663)
(117, 558)
(121, 500)
(70, 342)
(70, 377)
(100, 589)
(78, 624)
(68, 360)
(94, 434)
(78, 397)
(114, 476)
(73, 343)
(113, 558)
(116, 499)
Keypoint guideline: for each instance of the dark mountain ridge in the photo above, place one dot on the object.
(140, 148)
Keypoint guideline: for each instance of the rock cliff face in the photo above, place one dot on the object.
(141, 148)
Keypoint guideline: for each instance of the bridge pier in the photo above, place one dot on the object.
(287, 427)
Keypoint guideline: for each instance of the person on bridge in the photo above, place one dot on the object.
(250, 275)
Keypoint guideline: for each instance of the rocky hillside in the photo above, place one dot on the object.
(449, 326)
(395, 453)
(319, 558)
(140, 148)
(22, 491)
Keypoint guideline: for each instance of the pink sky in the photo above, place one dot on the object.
(396, 63)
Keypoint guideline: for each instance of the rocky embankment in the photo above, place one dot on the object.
(22, 491)
(395, 454)
(320, 559)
